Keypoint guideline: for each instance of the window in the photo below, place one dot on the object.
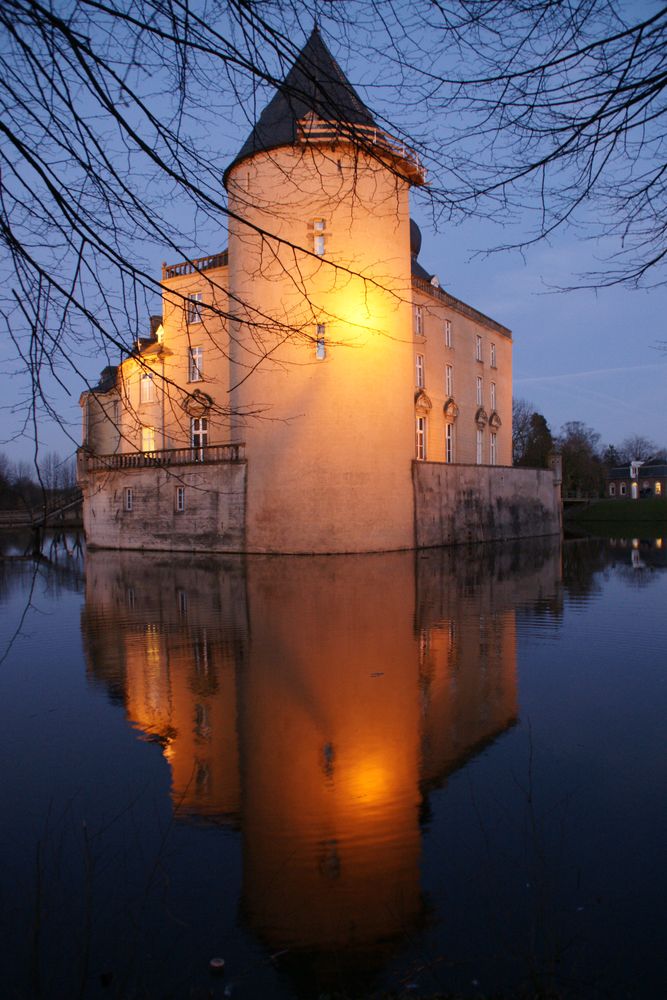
(194, 310)
(480, 394)
(478, 348)
(419, 371)
(480, 446)
(199, 437)
(180, 499)
(319, 237)
(449, 442)
(147, 388)
(658, 489)
(612, 489)
(128, 498)
(421, 438)
(493, 395)
(148, 439)
(419, 321)
(493, 355)
(493, 448)
(624, 489)
(320, 342)
(449, 380)
(195, 364)
(448, 333)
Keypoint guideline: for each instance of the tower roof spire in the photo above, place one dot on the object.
(314, 85)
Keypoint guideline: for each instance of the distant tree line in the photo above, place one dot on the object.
(586, 461)
(26, 485)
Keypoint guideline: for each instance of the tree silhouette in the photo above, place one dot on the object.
(110, 112)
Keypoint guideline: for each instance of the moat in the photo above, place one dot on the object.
(422, 773)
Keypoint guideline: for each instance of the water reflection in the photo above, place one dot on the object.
(314, 703)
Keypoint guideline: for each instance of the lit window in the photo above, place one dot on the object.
(421, 438)
(419, 321)
(199, 437)
(493, 395)
(493, 355)
(449, 380)
(147, 391)
(419, 371)
(449, 442)
(194, 310)
(195, 364)
(480, 446)
(493, 448)
(479, 390)
(319, 241)
(148, 439)
(448, 333)
(180, 499)
(128, 498)
(658, 489)
(478, 348)
(320, 342)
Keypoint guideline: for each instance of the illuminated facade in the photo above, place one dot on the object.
(295, 384)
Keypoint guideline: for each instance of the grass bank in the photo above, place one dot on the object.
(652, 510)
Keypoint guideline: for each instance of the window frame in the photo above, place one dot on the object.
(479, 447)
(493, 355)
(493, 448)
(128, 499)
(479, 390)
(198, 430)
(449, 380)
(147, 439)
(147, 388)
(492, 396)
(179, 500)
(449, 442)
(195, 364)
(479, 356)
(320, 341)
(420, 371)
(448, 333)
(319, 237)
(194, 308)
(419, 321)
(421, 427)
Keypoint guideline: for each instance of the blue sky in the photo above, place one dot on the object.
(580, 355)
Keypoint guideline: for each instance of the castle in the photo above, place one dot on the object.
(311, 388)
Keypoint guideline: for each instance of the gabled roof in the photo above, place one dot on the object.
(315, 84)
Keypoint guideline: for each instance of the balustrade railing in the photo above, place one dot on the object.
(207, 455)
(193, 266)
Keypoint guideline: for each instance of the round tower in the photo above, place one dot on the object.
(321, 341)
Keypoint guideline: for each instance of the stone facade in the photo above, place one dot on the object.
(316, 345)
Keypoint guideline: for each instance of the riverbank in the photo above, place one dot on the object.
(622, 512)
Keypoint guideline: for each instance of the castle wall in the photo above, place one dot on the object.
(213, 518)
(477, 503)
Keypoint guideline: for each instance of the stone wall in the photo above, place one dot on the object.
(480, 503)
(213, 518)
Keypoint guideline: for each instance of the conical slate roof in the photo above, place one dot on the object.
(315, 83)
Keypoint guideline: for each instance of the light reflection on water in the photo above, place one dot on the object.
(318, 709)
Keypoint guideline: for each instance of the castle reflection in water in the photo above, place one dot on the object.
(313, 703)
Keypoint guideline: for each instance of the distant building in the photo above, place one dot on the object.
(637, 480)
(312, 388)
